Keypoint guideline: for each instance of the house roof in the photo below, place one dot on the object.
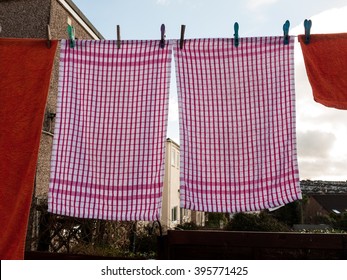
(331, 202)
(323, 187)
(82, 16)
(173, 142)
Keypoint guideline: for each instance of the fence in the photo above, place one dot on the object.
(68, 237)
(251, 245)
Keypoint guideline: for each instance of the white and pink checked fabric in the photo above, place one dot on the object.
(237, 124)
(109, 142)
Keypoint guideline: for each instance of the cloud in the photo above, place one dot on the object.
(315, 144)
(255, 4)
(163, 2)
(330, 21)
(327, 169)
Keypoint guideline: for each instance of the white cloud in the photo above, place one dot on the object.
(329, 21)
(254, 4)
(163, 2)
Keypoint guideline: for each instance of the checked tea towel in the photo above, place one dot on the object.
(109, 142)
(237, 124)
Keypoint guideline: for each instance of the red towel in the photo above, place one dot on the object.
(326, 66)
(25, 69)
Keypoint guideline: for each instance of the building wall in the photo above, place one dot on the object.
(172, 214)
(24, 18)
(171, 200)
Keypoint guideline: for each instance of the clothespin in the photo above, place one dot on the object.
(236, 34)
(183, 29)
(49, 37)
(118, 37)
(286, 32)
(71, 32)
(307, 25)
(162, 36)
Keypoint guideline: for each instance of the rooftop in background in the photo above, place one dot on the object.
(323, 187)
(336, 203)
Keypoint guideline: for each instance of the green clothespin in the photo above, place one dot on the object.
(71, 32)
(286, 32)
(307, 25)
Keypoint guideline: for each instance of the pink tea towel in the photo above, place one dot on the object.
(109, 142)
(237, 124)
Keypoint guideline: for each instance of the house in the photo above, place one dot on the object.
(323, 205)
(172, 214)
(322, 198)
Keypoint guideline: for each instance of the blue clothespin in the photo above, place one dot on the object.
(307, 25)
(71, 31)
(162, 37)
(286, 32)
(236, 34)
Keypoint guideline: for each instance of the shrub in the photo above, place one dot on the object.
(255, 222)
(188, 226)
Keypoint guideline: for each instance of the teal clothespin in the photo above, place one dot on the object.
(71, 31)
(307, 25)
(236, 34)
(162, 37)
(286, 32)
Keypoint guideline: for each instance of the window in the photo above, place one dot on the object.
(173, 157)
(174, 214)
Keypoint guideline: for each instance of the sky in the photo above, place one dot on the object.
(321, 131)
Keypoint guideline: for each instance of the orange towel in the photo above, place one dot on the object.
(326, 66)
(25, 69)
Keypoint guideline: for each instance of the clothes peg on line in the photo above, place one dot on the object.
(162, 36)
(183, 29)
(236, 34)
(118, 37)
(71, 32)
(307, 25)
(286, 32)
